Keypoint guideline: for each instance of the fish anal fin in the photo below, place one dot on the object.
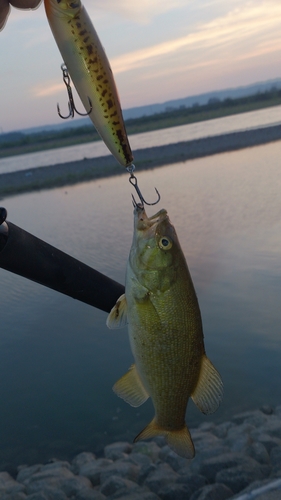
(117, 317)
(178, 440)
(130, 388)
(209, 389)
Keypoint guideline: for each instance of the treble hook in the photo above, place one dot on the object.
(71, 105)
(134, 182)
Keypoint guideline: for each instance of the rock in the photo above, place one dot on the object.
(174, 460)
(75, 484)
(123, 468)
(268, 441)
(275, 457)
(148, 448)
(145, 471)
(88, 494)
(116, 483)
(239, 477)
(118, 450)
(239, 436)
(210, 467)
(160, 477)
(9, 485)
(82, 459)
(194, 481)
(266, 409)
(47, 493)
(258, 452)
(144, 495)
(273, 427)
(47, 477)
(255, 418)
(139, 459)
(14, 496)
(174, 491)
(212, 492)
(92, 470)
(26, 472)
(221, 430)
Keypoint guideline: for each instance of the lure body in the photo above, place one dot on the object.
(90, 72)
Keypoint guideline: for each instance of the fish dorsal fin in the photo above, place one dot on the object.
(117, 317)
(130, 388)
(209, 389)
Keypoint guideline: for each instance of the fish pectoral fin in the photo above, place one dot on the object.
(117, 317)
(209, 389)
(130, 388)
(179, 440)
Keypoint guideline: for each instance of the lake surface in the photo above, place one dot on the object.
(243, 121)
(58, 361)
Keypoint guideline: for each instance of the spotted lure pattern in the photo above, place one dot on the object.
(90, 72)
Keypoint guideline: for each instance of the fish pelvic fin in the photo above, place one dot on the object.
(178, 440)
(208, 393)
(130, 388)
(117, 317)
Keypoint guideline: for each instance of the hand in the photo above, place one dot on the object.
(20, 4)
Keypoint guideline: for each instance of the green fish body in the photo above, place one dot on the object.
(166, 335)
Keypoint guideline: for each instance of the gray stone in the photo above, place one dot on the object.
(92, 470)
(116, 483)
(212, 492)
(174, 460)
(205, 440)
(75, 484)
(277, 410)
(163, 475)
(239, 477)
(14, 496)
(47, 493)
(82, 459)
(250, 417)
(175, 491)
(273, 427)
(238, 437)
(88, 494)
(194, 481)
(149, 448)
(258, 452)
(57, 464)
(267, 410)
(123, 468)
(145, 471)
(210, 467)
(118, 450)
(268, 441)
(139, 459)
(145, 495)
(221, 430)
(26, 472)
(9, 485)
(275, 457)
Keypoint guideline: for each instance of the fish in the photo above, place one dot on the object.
(164, 321)
(90, 71)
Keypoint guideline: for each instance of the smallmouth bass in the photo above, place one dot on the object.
(166, 335)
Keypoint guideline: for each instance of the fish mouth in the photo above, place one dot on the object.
(144, 222)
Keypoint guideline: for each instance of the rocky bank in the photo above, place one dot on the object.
(237, 459)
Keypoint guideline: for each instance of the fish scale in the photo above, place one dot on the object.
(165, 332)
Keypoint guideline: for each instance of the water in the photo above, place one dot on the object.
(252, 119)
(58, 361)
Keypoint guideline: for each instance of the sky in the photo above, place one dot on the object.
(158, 51)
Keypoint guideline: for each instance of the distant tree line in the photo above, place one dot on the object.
(169, 117)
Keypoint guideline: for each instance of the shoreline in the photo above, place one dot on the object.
(70, 173)
(239, 459)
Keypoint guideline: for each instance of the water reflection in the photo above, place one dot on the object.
(58, 361)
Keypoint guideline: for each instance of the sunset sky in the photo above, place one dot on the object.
(158, 51)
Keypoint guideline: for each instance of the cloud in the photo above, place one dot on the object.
(141, 11)
(249, 26)
(47, 90)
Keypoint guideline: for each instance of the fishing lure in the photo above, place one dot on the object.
(90, 71)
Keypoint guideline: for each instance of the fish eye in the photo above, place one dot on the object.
(165, 243)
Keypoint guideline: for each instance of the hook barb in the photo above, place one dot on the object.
(134, 182)
(71, 104)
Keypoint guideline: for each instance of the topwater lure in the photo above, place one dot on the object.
(90, 71)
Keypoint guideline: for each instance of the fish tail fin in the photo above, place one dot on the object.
(179, 440)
